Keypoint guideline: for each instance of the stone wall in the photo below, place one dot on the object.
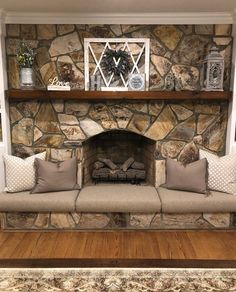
(178, 128)
(175, 49)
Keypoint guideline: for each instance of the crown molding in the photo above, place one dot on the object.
(141, 18)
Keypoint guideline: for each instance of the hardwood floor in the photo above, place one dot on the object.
(177, 248)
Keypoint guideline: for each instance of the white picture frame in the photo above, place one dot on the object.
(137, 48)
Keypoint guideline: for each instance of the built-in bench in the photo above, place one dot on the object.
(117, 206)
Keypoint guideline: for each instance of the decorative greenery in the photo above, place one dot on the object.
(25, 55)
(111, 65)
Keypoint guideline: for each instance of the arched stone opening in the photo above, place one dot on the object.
(119, 145)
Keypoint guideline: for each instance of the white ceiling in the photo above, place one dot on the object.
(118, 6)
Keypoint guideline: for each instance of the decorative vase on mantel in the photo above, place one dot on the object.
(26, 78)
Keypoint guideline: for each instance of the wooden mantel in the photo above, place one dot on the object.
(18, 94)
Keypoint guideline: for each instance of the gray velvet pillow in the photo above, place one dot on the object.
(52, 177)
(192, 177)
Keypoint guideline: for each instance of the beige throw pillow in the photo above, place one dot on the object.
(222, 172)
(53, 177)
(192, 177)
(20, 173)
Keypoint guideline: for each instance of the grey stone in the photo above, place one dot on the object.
(122, 115)
(203, 122)
(187, 76)
(162, 64)
(141, 220)
(29, 109)
(185, 130)
(171, 148)
(79, 109)
(100, 113)
(58, 105)
(42, 56)
(189, 153)
(20, 220)
(218, 220)
(13, 30)
(204, 29)
(14, 77)
(28, 31)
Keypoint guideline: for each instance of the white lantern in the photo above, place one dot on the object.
(213, 71)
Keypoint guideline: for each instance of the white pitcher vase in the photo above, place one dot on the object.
(26, 78)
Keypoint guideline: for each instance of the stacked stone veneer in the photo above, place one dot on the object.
(175, 50)
(96, 221)
(178, 128)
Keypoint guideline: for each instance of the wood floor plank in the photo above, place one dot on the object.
(117, 245)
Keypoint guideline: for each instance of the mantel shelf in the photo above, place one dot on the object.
(18, 94)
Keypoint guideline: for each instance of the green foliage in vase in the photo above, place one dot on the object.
(25, 55)
(116, 62)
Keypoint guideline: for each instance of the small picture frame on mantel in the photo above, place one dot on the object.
(136, 82)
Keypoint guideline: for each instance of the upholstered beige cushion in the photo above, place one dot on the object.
(191, 177)
(52, 177)
(118, 198)
(222, 172)
(20, 173)
(174, 201)
(43, 202)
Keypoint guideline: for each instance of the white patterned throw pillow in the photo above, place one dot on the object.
(221, 172)
(20, 173)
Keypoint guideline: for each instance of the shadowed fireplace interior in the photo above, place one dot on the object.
(119, 145)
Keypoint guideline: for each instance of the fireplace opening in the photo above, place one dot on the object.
(118, 146)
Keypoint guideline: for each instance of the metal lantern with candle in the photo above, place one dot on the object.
(213, 71)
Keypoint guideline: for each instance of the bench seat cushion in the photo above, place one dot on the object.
(43, 202)
(118, 198)
(174, 201)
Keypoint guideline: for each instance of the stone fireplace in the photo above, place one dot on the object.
(119, 145)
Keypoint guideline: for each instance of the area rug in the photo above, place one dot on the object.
(114, 279)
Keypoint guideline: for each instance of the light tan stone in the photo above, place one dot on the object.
(13, 30)
(122, 115)
(140, 220)
(90, 127)
(188, 76)
(22, 133)
(73, 132)
(155, 107)
(204, 29)
(203, 122)
(156, 82)
(116, 28)
(61, 220)
(181, 220)
(181, 112)
(67, 119)
(160, 171)
(28, 31)
(61, 154)
(65, 28)
(79, 109)
(163, 125)
(170, 35)
(50, 140)
(65, 44)
(222, 29)
(20, 220)
(218, 220)
(162, 64)
(37, 134)
(93, 220)
(136, 106)
(48, 71)
(14, 77)
(101, 114)
(139, 123)
(58, 105)
(185, 130)
(171, 148)
(46, 119)
(15, 115)
(222, 41)
(76, 217)
(42, 220)
(46, 31)
(207, 109)
(29, 109)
